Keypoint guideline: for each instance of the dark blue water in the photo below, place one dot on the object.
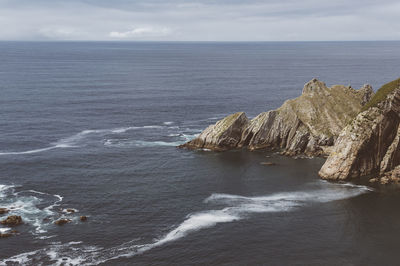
(94, 127)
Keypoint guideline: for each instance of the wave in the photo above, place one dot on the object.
(237, 208)
(76, 140)
(28, 152)
(127, 143)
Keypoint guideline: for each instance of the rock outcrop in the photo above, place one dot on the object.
(307, 125)
(225, 134)
(370, 144)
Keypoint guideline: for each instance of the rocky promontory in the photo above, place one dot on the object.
(306, 125)
(370, 144)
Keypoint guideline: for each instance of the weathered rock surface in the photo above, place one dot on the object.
(12, 220)
(307, 125)
(370, 144)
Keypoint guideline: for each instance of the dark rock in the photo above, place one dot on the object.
(83, 218)
(62, 221)
(12, 220)
(4, 210)
(71, 210)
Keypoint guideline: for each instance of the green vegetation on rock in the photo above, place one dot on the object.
(381, 94)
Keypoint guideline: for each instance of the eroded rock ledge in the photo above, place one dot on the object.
(306, 125)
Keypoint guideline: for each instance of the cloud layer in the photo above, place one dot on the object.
(202, 20)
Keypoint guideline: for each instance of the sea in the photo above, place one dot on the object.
(94, 127)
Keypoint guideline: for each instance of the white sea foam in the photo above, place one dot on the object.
(237, 207)
(28, 152)
(3, 190)
(29, 205)
(168, 123)
(78, 139)
(4, 230)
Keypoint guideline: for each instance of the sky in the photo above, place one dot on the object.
(201, 20)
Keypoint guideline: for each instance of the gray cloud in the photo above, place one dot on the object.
(202, 20)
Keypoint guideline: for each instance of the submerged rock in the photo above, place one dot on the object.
(307, 125)
(62, 221)
(12, 220)
(267, 163)
(83, 218)
(370, 144)
(4, 210)
(5, 235)
(8, 233)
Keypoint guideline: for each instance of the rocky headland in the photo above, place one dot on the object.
(307, 125)
(358, 131)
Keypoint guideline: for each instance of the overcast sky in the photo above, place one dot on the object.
(200, 20)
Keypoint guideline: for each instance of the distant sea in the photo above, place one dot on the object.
(94, 126)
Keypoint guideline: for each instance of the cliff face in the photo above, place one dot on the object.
(370, 144)
(308, 124)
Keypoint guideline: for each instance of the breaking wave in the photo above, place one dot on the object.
(236, 208)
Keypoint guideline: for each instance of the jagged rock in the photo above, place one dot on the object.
(306, 124)
(4, 210)
(62, 221)
(83, 218)
(12, 220)
(224, 135)
(370, 143)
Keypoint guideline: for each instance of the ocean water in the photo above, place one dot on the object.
(94, 126)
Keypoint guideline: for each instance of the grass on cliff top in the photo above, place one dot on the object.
(381, 94)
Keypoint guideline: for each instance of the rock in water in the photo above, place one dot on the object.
(4, 210)
(370, 144)
(224, 135)
(62, 221)
(307, 125)
(12, 220)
